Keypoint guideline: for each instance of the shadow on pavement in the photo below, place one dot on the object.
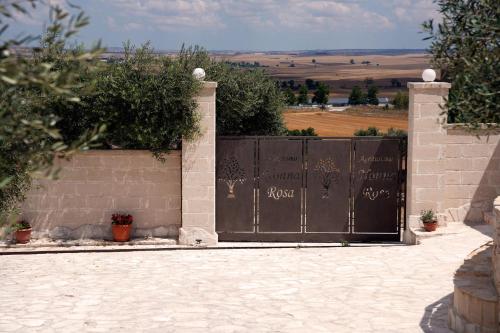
(435, 318)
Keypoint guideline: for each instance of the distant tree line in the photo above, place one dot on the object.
(245, 64)
(358, 97)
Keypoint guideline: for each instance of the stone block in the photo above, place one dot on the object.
(458, 164)
(85, 160)
(117, 161)
(195, 220)
(424, 96)
(426, 181)
(167, 217)
(197, 236)
(429, 194)
(458, 139)
(430, 167)
(99, 202)
(164, 189)
(99, 174)
(476, 150)
(72, 201)
(127, 203)
(494, 179)
(424, 139)
(453, 151)
(489, 314)
(198, 205)
(156, 202)
(480, 163)
(427, 125)
(174, 203)
(427, 152)
(452, 178)
(471, 177)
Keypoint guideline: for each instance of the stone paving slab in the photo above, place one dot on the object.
(339, 289)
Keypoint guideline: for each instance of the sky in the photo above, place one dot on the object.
(264, 25)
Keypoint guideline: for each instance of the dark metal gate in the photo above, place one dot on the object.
(310, 189)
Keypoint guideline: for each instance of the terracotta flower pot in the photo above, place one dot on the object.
(23, 236)
(430, 226)
(121, 232)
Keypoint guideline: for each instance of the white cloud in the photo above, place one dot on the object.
(39, 15)
(212, 14)
(167, 15)
(414, 11)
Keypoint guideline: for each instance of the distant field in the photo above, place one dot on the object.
(339, 73)
(347, 122)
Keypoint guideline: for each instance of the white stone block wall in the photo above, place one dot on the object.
(95, 184)
(450, 170)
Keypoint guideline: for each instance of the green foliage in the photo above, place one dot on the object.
(303, 95)
(290, 97)
(21, 225)
(371, 131)
(357, 96)
(310, 84)
(466, 48)
(321, 94)
(396, 132)
(147, 102)
(374, 131)
(303, 132)
(371, 97)
(248, 101)
(30, 140)
(345, 243)
(427, 216)
(401, 101)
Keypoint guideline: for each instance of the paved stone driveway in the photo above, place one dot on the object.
(350, 289)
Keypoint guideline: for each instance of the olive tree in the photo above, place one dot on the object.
(30, 140)
(466, 49)
(248, 101)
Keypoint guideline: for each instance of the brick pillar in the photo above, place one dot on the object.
(198, 176)
(426, 148)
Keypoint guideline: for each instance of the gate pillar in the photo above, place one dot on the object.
(426, 148)
(198, 176)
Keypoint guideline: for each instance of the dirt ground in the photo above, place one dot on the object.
(339, 73)
(347, 122)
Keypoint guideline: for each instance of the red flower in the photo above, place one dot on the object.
(122, 219)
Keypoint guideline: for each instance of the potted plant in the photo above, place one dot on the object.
(429, 220)
(23, 232)
(121, 224)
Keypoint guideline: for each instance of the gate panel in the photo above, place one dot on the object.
(376, 186)
(235, 185)
(280, 185)
(328, 186)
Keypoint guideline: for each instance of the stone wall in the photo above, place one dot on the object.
(451, 170)
(98, 183)
(472, 173)
(496, 246)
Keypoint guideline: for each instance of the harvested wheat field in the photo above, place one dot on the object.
(344, 123)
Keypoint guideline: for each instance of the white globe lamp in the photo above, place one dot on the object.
(199, 74)
(429, 75)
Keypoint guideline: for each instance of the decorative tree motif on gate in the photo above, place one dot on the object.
(329, 173)
(231, 173)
